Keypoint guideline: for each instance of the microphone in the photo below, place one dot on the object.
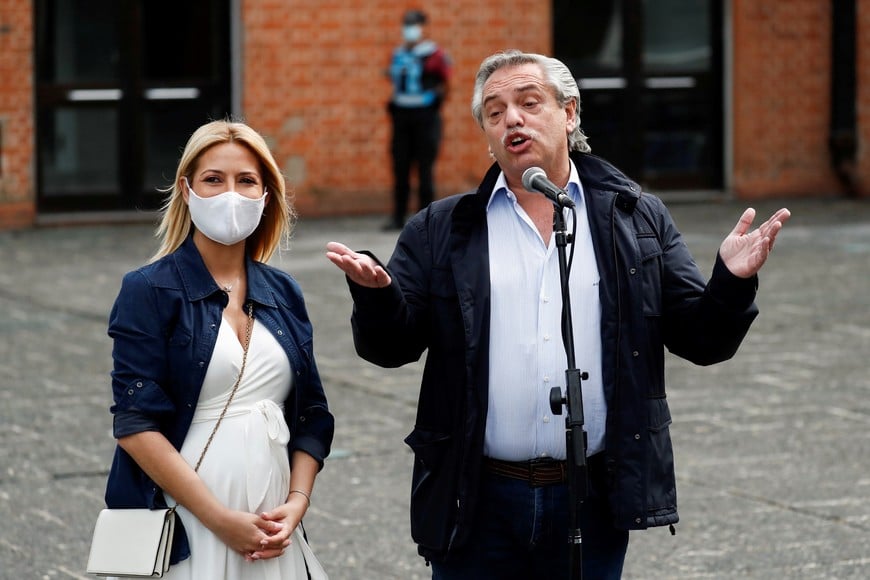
(535, 179)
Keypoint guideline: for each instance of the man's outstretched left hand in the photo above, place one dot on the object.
(744, 252)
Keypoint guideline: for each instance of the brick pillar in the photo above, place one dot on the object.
(17, 188)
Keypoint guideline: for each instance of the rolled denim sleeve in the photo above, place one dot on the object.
(139, 358)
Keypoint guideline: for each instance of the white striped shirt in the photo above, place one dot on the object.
(526, 352)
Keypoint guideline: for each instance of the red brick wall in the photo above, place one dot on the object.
(17, 197)
(781, 98)
(314, 85)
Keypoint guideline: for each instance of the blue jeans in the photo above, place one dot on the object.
(521, 533)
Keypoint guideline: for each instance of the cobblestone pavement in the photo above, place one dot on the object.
(772, 447)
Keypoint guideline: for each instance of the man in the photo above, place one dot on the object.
(475, 280)
(419, 71)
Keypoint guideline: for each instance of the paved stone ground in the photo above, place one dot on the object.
(773, 451)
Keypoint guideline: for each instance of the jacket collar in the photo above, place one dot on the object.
(199, 284)
(599, 175)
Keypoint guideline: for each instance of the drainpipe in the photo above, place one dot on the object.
(843, 137)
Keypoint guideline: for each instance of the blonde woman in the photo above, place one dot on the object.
(218, 405)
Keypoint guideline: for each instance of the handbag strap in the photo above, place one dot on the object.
(248, 329)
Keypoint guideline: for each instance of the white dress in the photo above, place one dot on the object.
(246, 466)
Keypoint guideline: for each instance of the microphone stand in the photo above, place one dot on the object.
(575, 436)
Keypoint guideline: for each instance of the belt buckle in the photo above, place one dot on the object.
(558, 472)
(533, 465)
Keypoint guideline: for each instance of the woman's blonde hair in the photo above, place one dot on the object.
(278, 217)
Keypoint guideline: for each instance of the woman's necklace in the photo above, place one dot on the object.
(229, 287)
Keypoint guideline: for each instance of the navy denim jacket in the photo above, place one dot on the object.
(164, 324)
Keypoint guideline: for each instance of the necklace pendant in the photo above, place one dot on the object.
(228, 287)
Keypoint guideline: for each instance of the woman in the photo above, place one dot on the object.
(205, 310)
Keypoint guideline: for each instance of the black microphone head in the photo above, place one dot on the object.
(529, 176)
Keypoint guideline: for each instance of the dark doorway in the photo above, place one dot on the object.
(121, 85)
(650, 76)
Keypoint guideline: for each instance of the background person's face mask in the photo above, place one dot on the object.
(412, 33)
(226, 218)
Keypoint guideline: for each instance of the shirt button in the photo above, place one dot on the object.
(637, 436)
(280, 333)
(634, 353)
(130, 392)
(637, 520)
(546, 419)
(546, 379)
(632, 271)
(139, 384)
(201, 363)
(546, 337)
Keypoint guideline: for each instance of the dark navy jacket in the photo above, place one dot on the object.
(164, 324)
(652, 297)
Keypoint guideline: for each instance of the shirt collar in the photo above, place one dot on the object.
(574, 188)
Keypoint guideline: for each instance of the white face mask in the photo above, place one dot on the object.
(226, 218)
(412, 33)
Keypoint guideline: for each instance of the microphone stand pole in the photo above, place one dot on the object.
(575, 436)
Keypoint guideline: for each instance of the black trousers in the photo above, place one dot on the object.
(416, 139)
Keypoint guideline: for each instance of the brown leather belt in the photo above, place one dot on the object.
(537, 472)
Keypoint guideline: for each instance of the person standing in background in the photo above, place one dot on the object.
(419, 71)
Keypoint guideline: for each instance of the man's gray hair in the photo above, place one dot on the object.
(557, 76)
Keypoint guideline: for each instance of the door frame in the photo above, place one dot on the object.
(630, 90)
(130, 96)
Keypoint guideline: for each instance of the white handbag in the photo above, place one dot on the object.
(144, 553)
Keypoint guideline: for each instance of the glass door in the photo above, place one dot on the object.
(121, 84)
(650, 76)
